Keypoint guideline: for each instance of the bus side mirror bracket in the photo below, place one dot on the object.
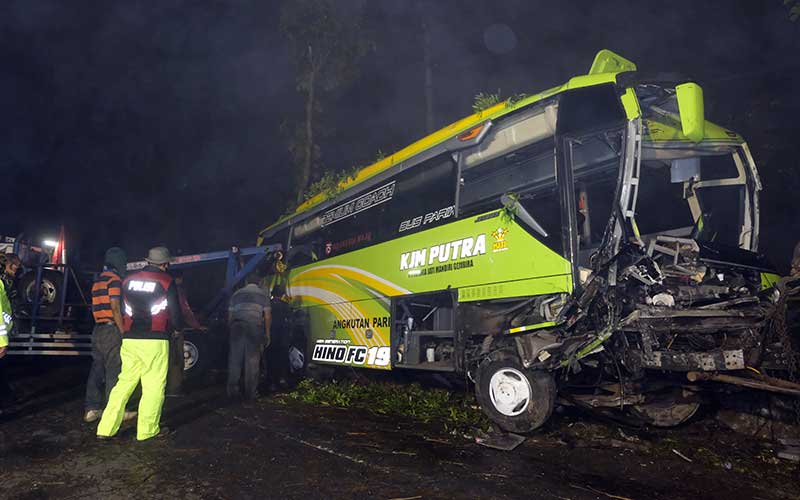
(513, 205)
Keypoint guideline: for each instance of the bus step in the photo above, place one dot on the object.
(436, 366)
(433, 333)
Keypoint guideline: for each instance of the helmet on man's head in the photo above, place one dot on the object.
(158, 256)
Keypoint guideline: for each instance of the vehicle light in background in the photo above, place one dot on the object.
(50, 243)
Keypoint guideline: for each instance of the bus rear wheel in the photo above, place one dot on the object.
(513, 397)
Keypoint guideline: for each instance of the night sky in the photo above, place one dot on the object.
(138, 123)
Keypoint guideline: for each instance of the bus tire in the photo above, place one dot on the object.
(668, 409)
(515, 398)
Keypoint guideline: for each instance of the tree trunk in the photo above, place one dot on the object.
(308, 157)
(428, 77)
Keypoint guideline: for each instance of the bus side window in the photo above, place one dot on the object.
(357, 231)
(300, 255)
(424, 198)
(530, 174)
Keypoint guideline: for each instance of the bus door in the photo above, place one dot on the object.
(591, 136)
(589, 175)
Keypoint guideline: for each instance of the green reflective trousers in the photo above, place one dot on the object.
(5, 316)
(143, 360)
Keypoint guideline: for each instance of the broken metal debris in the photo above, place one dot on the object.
(505, 441)
(655, 311)
(790, 449)
(766, 383)
(682, 455)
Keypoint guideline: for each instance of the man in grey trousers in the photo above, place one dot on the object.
(249, 320)
(107, 334)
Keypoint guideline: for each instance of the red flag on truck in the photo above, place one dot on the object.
(60, 251)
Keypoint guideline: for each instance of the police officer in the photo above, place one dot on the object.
(249, 321)
(151, 313)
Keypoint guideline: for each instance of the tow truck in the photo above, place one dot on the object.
(52, 305)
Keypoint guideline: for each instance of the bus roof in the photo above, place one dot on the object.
(605, 68)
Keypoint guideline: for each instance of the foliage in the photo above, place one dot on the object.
(454, 411)
(516, 98)
(330, 184)
(324, 40)
(509, 212)
(794, 9)
(484, 101)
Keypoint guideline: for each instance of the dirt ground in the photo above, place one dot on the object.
(275, 449)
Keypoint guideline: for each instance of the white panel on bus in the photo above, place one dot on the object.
(515, 133)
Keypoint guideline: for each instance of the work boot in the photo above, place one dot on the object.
(92, 416)
(162, 433)
(129, 415)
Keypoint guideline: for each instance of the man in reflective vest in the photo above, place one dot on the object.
(9, 265)
(151, 313)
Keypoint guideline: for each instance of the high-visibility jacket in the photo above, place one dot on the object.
(150, 305)
(6, 319)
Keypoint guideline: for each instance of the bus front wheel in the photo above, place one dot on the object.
(515, 398)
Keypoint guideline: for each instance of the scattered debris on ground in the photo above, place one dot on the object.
(505, 441)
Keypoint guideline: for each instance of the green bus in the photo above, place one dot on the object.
(596, 239)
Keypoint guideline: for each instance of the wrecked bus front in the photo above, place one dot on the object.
(674, 285)
(663, 240)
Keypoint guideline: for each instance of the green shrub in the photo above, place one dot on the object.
(455, 411)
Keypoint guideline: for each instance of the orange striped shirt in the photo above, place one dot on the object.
(107, 286)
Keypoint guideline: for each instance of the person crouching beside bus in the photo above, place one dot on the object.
(106, 335)
(249, 321)
(278, 351)
(9, 265)
(150, 314)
